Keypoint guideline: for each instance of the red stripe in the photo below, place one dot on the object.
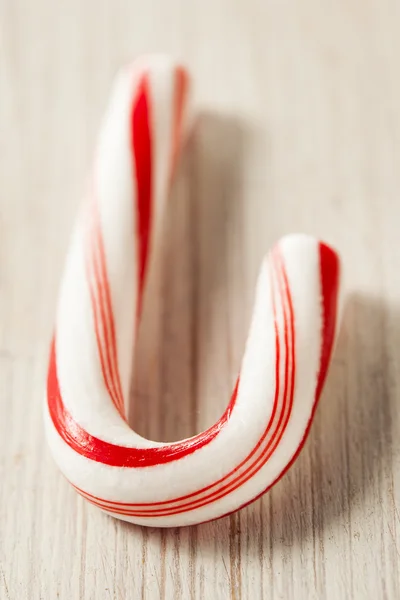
(102, 311)
(141, 151)
(181, 88)
(329, 275)
(110, 454)
(264, 457)
(103, 287)
(103, 362)
(98, 312)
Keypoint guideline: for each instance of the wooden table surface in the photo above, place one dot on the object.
(298, 130)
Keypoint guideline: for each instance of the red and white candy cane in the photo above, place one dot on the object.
(284, 364)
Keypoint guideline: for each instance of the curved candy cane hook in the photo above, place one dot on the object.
(284, 364)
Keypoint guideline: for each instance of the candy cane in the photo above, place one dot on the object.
(285, 361)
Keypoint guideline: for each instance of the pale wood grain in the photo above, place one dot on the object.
(299, 131)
